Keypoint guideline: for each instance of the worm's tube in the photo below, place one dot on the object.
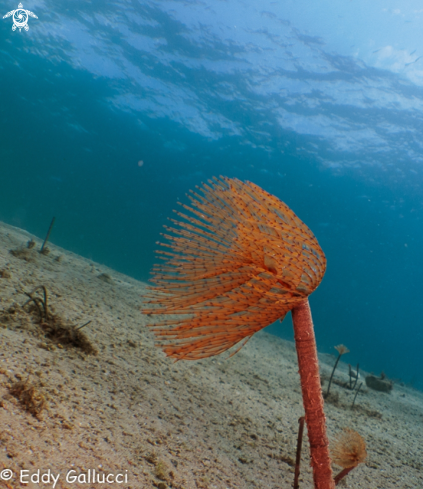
(312, 396)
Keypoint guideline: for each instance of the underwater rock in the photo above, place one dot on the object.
(379, 384)
(105, 277)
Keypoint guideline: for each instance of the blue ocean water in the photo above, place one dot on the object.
(319, 103)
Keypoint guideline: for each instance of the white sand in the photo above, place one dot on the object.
(217, 423)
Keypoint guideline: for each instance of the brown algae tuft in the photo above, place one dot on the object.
(29, 396)
(56, 329)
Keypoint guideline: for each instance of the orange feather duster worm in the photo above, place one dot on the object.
(238, 261)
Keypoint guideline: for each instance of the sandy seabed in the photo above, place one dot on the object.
(130, 414)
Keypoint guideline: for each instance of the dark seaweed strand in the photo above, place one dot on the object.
(333, 371)
(44, 302)
(299, 446)
(48, 233)
(45, 298)
(83, 326)
(342, 474)
(359, 387)
(356, 378)
(36, 301)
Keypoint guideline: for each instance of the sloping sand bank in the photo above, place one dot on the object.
(144, 421)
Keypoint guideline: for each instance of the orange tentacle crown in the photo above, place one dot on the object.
(236, 261)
